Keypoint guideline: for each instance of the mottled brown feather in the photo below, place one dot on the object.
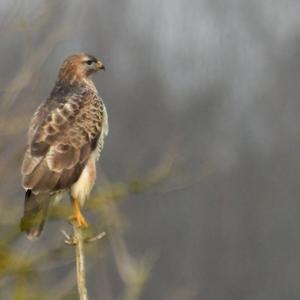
(31, 180)
(30, 162)
(61, 140)
(68, 177)
(47, 182)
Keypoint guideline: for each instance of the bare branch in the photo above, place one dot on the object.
(80, 263)
(78, 240)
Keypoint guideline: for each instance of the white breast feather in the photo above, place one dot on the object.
(81, 189)
(104, 132)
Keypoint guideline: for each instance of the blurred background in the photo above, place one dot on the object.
(198, 181)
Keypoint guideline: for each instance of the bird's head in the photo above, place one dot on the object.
(79, 66)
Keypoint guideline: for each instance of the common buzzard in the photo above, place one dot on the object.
(65, 138)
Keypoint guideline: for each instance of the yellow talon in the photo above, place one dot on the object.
(77, 215)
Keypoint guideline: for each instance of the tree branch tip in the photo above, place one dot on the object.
(95, 238)
(73, 240)
(65, 234)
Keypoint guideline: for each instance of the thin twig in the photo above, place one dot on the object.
(78, 240)
(95, 238)
(80, 263)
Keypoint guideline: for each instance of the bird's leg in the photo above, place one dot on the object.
(77, 215)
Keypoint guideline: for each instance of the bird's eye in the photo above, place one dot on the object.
(89, 62)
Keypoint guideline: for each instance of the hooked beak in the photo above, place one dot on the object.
(100, 65)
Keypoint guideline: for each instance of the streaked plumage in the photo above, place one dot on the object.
(65, 137)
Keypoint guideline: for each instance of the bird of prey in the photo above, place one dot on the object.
(65, 138)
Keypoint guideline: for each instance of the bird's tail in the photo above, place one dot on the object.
(35, 214)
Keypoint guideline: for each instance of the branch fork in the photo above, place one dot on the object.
(78, 240)
(73, 240)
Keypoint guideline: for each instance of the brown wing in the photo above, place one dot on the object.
(62, 136)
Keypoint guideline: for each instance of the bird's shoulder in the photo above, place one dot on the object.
(66, 115)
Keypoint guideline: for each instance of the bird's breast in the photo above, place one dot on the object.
(81, 189)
